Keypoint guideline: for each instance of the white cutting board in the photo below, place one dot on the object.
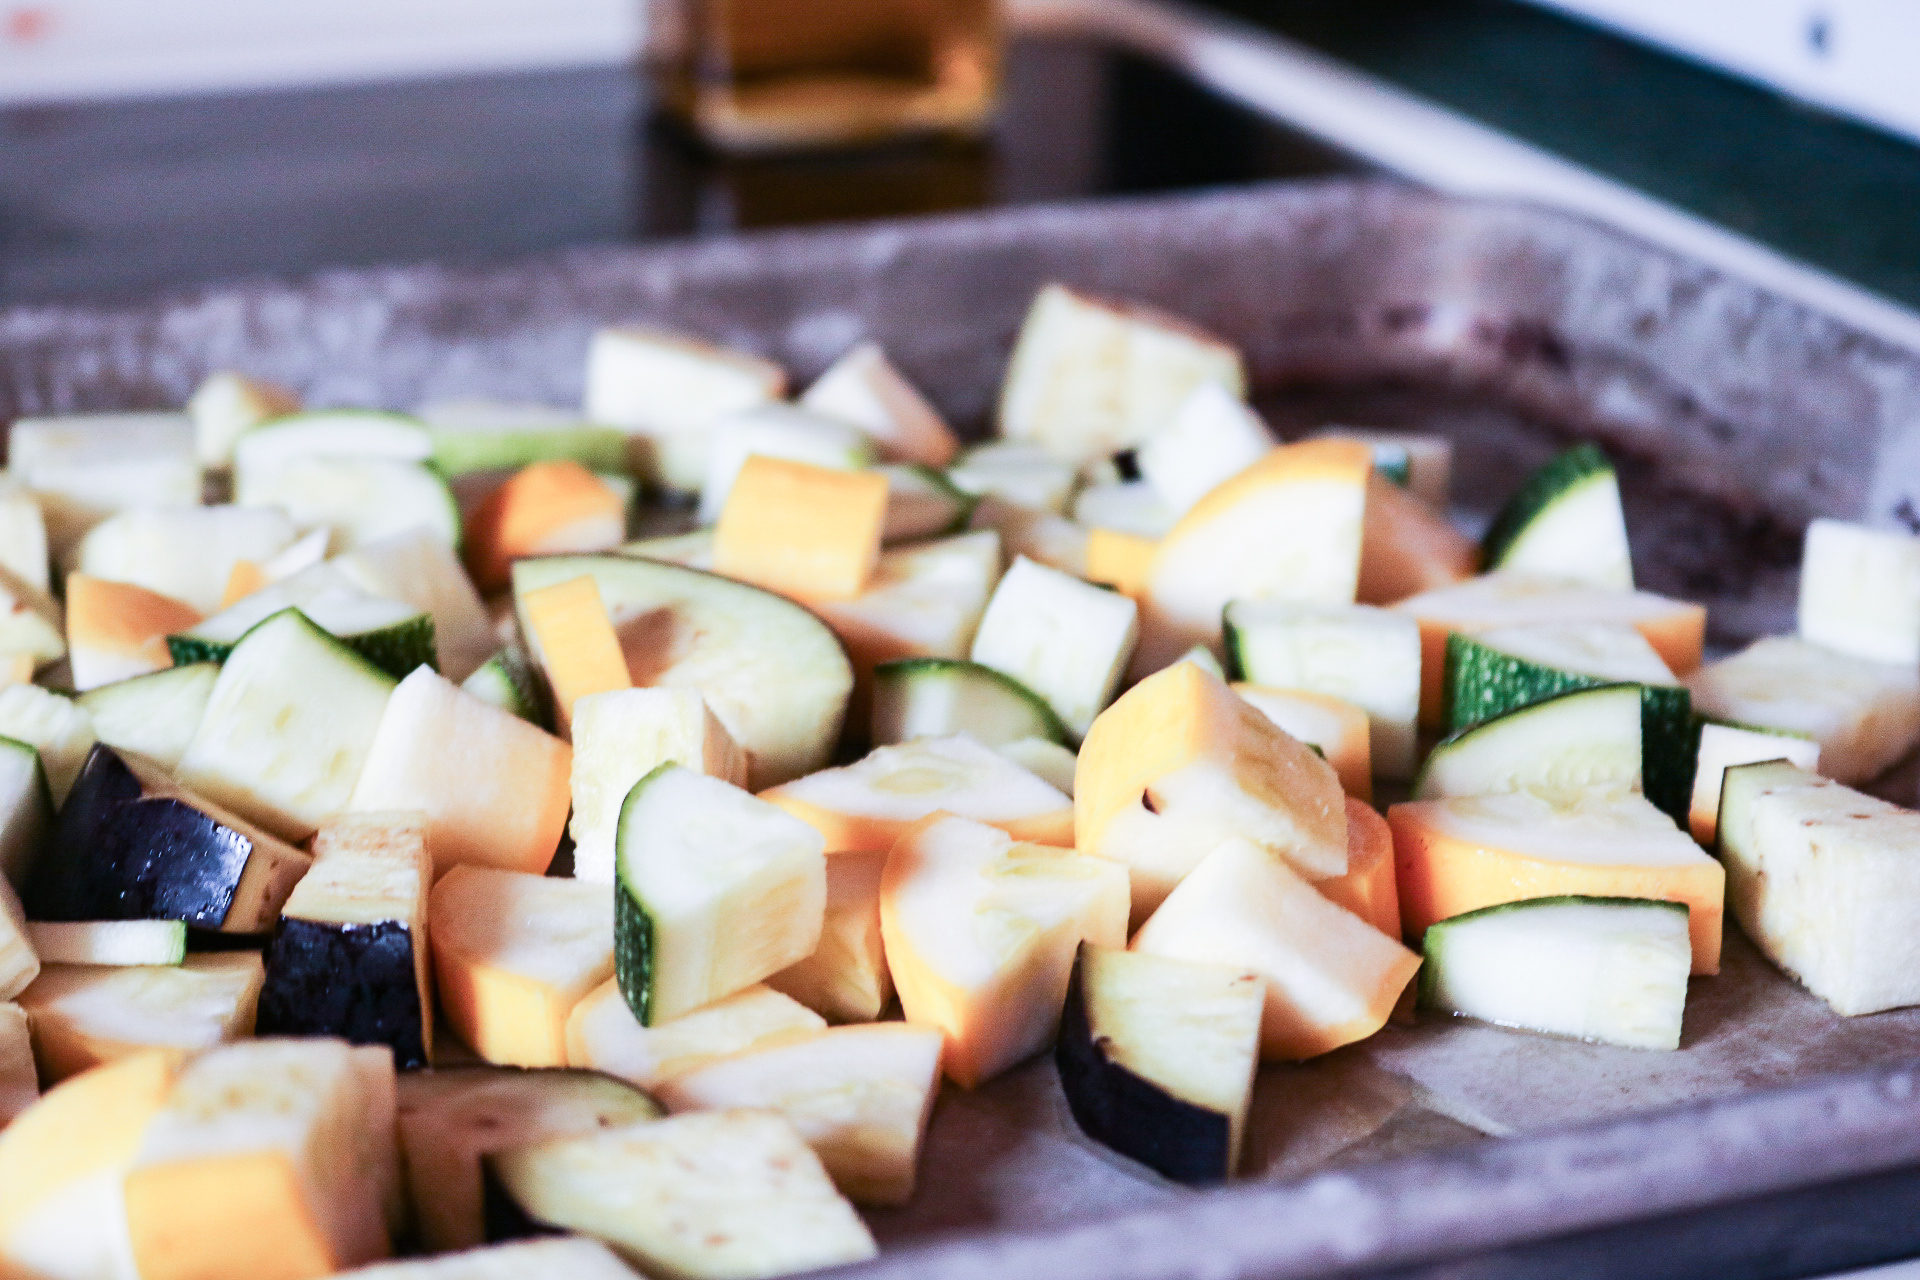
(1861, 57)
(64, 50)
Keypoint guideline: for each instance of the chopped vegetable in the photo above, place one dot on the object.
(512, 955)
(1180, 764)
(1613, 970)
(716, 890)
(361, 910)
(1157, 1058)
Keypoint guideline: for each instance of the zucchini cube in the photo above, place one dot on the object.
(864, 388)
(665, 391)
(1826, 881)
(1090, 377)
(1864, 715)
(1860, 592)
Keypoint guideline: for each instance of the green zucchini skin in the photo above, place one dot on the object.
(120, 853)
(1481, 683)
(356, 982)
(1559, 474)
(1131, 1114)
(458, 451)
(633, 955)
(1670, 747)
(187, 650)
(633, 940)
(508, 681)
(396, 650)
(987, 691)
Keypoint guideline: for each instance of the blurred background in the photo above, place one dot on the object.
(146, 146)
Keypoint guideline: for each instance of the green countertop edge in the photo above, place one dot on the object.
(1838, 194)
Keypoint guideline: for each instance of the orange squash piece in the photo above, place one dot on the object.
(576, 642)
(81, 1127)
(116, 630)
(216, 1210)
(1180, 763)
(1339, 728)
(981, 932)
(1407, 547)
(1123, 561)
(246, 578)
(804, 531)
(1455, 856)
(544, 509)
(513, 954)
(1368, 889)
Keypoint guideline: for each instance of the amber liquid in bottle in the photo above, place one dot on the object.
(762, 75)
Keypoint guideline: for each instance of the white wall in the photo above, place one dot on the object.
(1857, 56)
(70, 49)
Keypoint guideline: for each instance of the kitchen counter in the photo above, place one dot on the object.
(115, 199)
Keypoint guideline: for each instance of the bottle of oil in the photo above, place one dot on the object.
(769, 75)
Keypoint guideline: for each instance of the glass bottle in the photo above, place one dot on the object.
(769, 75)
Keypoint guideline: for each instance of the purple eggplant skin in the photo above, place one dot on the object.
(1131, 1114)
(120, 853)
(353, 981)
(501, 1215)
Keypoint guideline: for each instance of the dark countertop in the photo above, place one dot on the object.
(110, 200)
(116, 199)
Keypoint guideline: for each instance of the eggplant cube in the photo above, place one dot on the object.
(131, 845)
(1157, 1058)
(350, 957)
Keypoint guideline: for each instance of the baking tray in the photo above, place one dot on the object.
(1779, 1141)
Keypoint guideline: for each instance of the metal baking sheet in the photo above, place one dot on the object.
(1737, 415)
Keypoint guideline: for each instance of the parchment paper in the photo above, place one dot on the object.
(1737, 416)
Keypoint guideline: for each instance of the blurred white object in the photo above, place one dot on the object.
(1855, 56)
(75, 49)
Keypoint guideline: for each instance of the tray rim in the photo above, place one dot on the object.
(1615, 1170)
